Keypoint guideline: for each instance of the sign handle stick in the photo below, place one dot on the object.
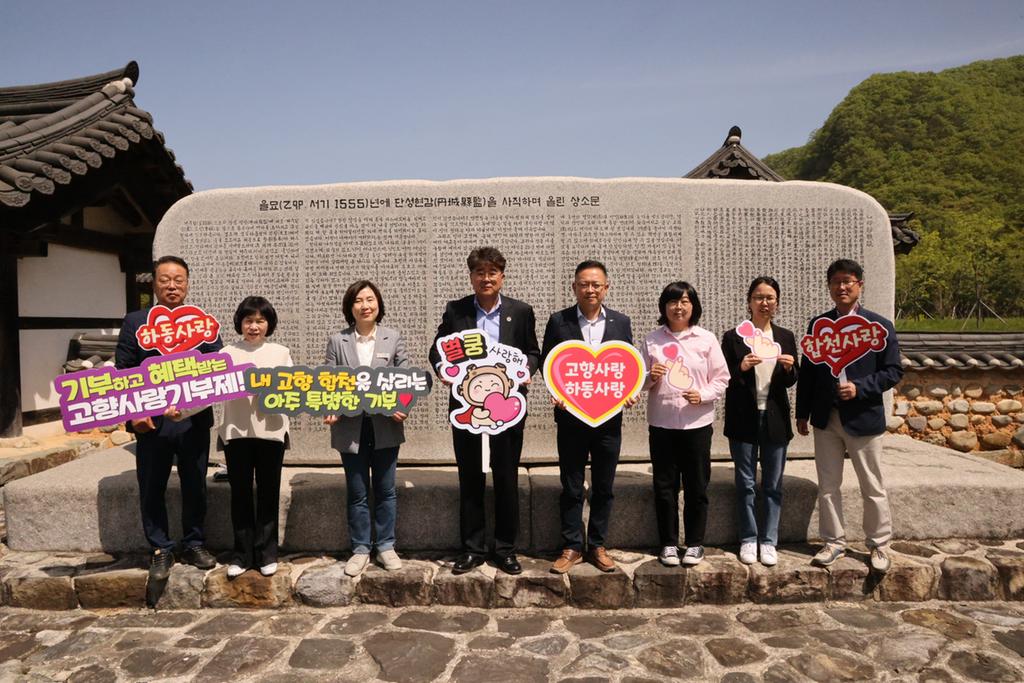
(485, 452)
(842, 376)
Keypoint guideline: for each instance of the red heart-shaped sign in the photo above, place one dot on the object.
(594, 383)
(173, 330)
(838, 343)
(405, 399)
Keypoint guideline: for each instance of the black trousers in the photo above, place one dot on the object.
(255, 530)
(576, 442)
(154, 456)
(506, 448)
(681, 455)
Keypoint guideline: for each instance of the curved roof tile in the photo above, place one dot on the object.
(52, 132)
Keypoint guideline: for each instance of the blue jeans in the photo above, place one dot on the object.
(377, 466)
(773, 462)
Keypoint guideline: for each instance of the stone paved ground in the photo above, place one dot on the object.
(930, 641)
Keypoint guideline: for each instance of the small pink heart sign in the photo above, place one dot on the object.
(594, 383)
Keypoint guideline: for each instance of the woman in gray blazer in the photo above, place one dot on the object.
(368, 443)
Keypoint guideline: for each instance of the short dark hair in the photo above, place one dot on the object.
(256, 304)
(349, 300)
(763, 280)
(845, 265)
(677, 290)
(589, 263)
(170, 259)
(481, 256)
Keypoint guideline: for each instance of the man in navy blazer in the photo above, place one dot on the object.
(511, 322)
(159, 440)
(591, 322)
(849, 417)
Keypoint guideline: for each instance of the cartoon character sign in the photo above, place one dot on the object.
(759, 345)
(487, 391)
(485, 379)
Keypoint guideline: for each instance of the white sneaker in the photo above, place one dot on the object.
(769, 557)
(357, 563)
(234, 571)
(748, 553)
(669, 556)
(390, 559)
(269, 569)
(693, 555)
(880, 561)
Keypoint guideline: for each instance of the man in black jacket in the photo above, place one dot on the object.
(159, 440)
(511, 322)
(848, 416)
(591, 322)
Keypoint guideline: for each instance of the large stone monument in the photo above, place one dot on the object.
(301, 246)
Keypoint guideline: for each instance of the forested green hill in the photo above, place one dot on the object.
(948, 146)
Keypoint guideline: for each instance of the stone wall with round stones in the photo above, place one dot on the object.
(980, 412)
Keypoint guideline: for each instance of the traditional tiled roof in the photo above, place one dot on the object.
(903, 238)
(733, 160)
(54, 135)
(961, 350)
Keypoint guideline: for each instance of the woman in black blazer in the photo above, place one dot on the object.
(761, 358)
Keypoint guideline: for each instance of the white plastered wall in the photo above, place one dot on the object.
(68, 282)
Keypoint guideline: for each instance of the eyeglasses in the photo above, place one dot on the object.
(596, 286)
(839, 284)
(764, 299)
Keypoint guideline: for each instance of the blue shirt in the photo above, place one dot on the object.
(489, 321)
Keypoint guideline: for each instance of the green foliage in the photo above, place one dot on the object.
(948, 146)
(959, 325)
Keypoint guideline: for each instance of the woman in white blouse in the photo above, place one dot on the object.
(254, 443)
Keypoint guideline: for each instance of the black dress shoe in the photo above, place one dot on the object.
(198, 556)
(160, 565)
(466, 562)
(508, 564)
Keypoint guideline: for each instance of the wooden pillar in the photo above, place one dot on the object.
(10, 348)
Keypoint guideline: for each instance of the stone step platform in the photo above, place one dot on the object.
(91, 504)
(955, 570)
(434, 447)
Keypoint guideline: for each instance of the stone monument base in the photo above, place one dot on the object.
(91, 504)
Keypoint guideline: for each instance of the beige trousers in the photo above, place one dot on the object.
(830, 446)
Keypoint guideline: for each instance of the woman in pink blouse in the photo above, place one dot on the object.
(687, 373)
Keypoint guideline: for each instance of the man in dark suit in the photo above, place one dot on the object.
(159, 440)
(510, 322)
(849, 417)
(591, 322)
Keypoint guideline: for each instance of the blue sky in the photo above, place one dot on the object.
(255, 93)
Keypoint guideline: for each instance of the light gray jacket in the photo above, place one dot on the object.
(389, 350)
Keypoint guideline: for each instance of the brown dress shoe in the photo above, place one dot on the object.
(567, 561)
(599, 558)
